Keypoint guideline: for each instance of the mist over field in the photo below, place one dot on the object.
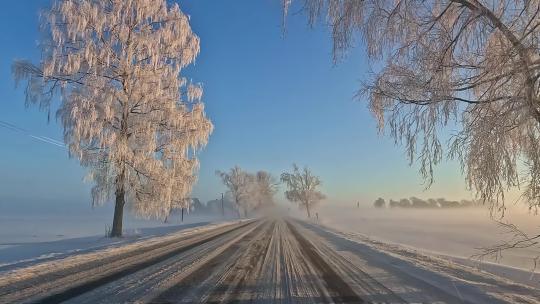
(19, 226)
(454, 232)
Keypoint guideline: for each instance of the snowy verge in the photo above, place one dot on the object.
(15, 255)
(452, 232)
(39, 258)
(421, 278)
(428, 259)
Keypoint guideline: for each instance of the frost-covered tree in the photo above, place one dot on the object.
(379, 203)
(418, 202)
(263, 189)
(474, 64)
(471, 62)
(405, 203)
(129, 115)
(239, 184)
(432, 203)
(302, 188)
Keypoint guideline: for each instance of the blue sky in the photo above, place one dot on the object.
(274, 100)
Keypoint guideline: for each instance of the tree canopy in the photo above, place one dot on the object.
(128, 113)
(474, 64)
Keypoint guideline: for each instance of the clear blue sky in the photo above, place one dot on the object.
(274, 100)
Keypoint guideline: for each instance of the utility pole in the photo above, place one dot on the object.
(222, 206)
(182, 214)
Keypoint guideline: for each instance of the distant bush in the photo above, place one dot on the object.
(418, 203)
(379, 203)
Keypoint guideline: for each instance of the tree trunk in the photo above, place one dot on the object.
(182, 214)
(222, 206)
(120, 180)
(245, 212)
(238, 209)
(119, 206)
(307, 209)
(118, 214)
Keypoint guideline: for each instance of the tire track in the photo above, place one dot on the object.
(270, 261)
(147, 284)
(273, 265)
(57, 287)
(302, 281)
(367, 286)
(222, 279)
(341, 292)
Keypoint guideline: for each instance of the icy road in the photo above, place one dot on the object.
(257, 261)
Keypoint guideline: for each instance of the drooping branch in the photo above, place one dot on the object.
(118, 67)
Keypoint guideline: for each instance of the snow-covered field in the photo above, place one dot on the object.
(456, 233)
(414, 255)
(258, 261)
(26, 239)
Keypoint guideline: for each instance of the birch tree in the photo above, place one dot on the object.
(264, 188)
(302, 188)
(128, 113)
(474, 64)
(239, 184)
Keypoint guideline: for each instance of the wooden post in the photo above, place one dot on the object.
(222, 206)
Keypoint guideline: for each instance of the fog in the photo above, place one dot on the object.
(453, 232)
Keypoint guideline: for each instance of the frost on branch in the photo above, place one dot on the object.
(263, 189)
(302, 188)
(470, 63)
(249, 191)
(239, 184)
(128, 113)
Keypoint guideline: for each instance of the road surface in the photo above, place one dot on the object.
(257, 261)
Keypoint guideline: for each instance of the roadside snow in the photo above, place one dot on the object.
(27, 240)
(514, 274)
(413, 275)
(455, 234)
(18, 273)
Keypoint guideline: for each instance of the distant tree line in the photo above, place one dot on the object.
(415, 202)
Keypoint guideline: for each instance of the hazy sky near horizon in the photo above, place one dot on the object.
(273, 99)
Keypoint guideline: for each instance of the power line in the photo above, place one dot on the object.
(20, 130)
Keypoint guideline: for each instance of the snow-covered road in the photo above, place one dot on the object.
(257, 261)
